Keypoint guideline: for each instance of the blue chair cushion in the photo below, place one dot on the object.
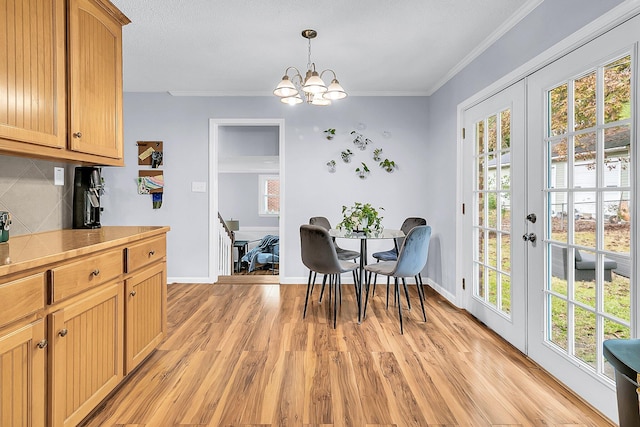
(390, 255)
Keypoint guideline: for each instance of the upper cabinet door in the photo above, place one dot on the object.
(95, 78)
(32, 72)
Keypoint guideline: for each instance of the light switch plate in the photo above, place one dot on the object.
(199, 187)
(58, 176)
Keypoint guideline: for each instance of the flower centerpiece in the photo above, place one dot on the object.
(361, 217)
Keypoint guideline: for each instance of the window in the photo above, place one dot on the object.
(269, 195)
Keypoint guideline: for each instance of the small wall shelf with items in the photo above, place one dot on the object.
(150, 153)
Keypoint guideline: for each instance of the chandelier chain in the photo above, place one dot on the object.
(309, 56)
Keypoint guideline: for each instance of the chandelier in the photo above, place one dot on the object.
(293, 90)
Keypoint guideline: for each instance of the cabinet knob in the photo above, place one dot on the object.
(152, 253)
(63, 332)
(132, 293)
(43, 344)
(77, 134)
(95, 272)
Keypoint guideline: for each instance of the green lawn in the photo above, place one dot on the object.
(616, 295)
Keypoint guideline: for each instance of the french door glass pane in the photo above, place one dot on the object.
(492, 217)
(617, 90)
(588, 233)
(559, 316)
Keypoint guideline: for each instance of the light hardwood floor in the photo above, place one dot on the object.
(239, 355)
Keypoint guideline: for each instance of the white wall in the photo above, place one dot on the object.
(183, 124)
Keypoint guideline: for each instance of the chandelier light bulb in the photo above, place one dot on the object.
(292, 100)
(335, 91)
(313, 83)
(285, 88)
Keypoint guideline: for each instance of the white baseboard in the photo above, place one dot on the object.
(439, 289)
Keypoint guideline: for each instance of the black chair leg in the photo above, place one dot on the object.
(306, 300)
(387, 292)
(366, 296)
(421, 296)
(324, 282)
(313, 281)
(336, 283)
(397, 292)
(356, 288)
(406, 292)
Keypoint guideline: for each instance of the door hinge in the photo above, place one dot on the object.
(464, 133)
(464, 286)
(463, 209)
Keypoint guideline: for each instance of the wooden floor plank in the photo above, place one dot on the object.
(243, 355)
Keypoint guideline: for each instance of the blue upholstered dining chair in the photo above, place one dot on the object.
(412, 258)
(319, 256)
(392, 254)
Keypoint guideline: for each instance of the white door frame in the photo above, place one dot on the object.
(214, 139)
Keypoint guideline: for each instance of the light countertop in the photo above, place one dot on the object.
(34, 250)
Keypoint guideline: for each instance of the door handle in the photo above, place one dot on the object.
(531, 237)
(532, 217)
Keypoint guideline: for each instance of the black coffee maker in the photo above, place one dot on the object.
(87, 188)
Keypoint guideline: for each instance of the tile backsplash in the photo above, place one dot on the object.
(28, 193)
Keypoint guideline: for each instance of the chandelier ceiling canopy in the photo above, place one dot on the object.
(294, 89)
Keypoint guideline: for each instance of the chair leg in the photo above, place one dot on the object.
(313, 282)
(397, 292)
(336, 283)
(324, 282)
(421, 296)
(387, 292)
(306, 300)
(339, 290)
(366, 296)
(406, 292)
(356, 288)
(421, 285)
(375, 280)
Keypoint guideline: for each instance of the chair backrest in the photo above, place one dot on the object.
(321, 221)
(317, 250)
(411, 222)
(407, 225)
(413, 252)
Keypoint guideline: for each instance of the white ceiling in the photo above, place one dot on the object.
(242, 47)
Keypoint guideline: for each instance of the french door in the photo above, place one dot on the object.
(494, 178)
(582, 134)
(550, 223)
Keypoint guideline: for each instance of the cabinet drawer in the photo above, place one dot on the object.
(20, 298)
(145, 253)
(73, 278)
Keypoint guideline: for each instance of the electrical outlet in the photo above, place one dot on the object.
(58, 176)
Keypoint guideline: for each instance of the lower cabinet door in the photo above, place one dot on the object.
(86, 344)
(146, 314)
(22, 376)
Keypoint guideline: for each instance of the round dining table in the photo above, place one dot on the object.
(384, 233)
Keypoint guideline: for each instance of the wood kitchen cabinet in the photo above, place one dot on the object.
(77, 307)
(146, 299)
(146, 314)
(95, 78)
(22, 375)
(86, 350)
(63, 80)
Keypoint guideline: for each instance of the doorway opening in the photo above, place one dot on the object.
(246, 200)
